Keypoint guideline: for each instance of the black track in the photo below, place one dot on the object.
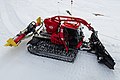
(44, 47)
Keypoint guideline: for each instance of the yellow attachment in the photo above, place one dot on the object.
(11, 42)
(38, 20)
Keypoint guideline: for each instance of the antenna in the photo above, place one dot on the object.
(70, 12)
(71, 6)
(58, 8)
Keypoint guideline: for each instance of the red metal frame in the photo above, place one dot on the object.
(75, 25)
(74, 19)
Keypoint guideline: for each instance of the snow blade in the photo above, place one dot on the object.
(43, 47)
(102, 55)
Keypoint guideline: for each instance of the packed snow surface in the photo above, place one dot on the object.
(17, 64)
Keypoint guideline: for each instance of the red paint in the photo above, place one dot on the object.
(19, 38)
(52, 25)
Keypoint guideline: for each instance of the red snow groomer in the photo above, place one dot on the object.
(61, 37)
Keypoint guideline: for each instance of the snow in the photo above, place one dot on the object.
(17, 64)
